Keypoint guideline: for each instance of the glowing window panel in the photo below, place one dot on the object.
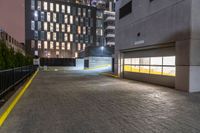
(63, 8)
(48, 36)
(144, 61)
(66, 19)
(45, 26)
(57, 46)
(135, 68)
(57, 27)
(156, 70)
(54, 17)
(51, 6)
(39, 5)
(45, 6)
(136, 61)
(68, 9)
(127, 61)
(144, 69)
(127, 68)
(57, 8)
(39, 45)
(51, 45)
(169, 71)
(48, 16)
(169, 60)
(63, 46)
(51, 27)
(45, 45)
(68, 46)
(156, 60)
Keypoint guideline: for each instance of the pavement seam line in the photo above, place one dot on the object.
(111, 75)
(6, 113)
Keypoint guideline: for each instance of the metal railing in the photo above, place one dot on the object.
(12, 77)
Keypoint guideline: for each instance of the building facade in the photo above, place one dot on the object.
(12, 42)
(59, 28)
(158, 42)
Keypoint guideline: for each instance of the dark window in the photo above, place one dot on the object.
(125, 10)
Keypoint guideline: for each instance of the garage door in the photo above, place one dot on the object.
(151, 65)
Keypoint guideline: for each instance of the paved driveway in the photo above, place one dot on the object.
(82, 102)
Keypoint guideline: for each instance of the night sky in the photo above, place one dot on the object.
(12, 18)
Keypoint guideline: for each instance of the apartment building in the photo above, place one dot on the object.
(58, 28)
(11, 42)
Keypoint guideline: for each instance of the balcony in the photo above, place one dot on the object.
(110, 35)
(110, 19)
(110, 43)
(110, 28)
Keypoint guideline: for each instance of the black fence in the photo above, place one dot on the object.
(12, 77)
(57, 62)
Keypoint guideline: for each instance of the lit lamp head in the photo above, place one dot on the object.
(102, 47)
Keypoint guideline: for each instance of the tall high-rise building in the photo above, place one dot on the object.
(59, 28)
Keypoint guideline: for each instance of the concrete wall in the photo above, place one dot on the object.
(99, 61)
(161, 22)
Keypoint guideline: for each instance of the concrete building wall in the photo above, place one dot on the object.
(161, 22)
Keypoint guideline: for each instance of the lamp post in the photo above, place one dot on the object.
(102, 49)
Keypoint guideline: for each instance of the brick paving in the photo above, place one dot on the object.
(82, 102)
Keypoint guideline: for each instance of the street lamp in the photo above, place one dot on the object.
(102, 49)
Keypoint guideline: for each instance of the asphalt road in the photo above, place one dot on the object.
(83, 102)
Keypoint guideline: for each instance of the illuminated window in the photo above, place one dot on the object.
(45, 6)
(63, 46)
(33, 4)
(79, 29)
(42, 16)
(32, 25)
(66, 19)
(68, 9)
(54, 17)
(39, 5)
(66, 37)
(54, 36)
(79, 46)
(36, 15)
(84, 12)
(63, 28)
(51, 45)
(63, 8)
(57, 27)
(151, 65)
(39, 45)
(76, 54)
(169, 60)
(45, 45)
(57, 8)
(45, 26)
(68, 46)
(48, 36)
(84, 45)
(57, 53)
(51, 27)
(71, 19)
(79, 11)
(57, 46)
(51, 6)
(68, 28)
(71, 37)
(84, 30)
(48, 16)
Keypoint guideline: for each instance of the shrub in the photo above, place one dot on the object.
(10, 59)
